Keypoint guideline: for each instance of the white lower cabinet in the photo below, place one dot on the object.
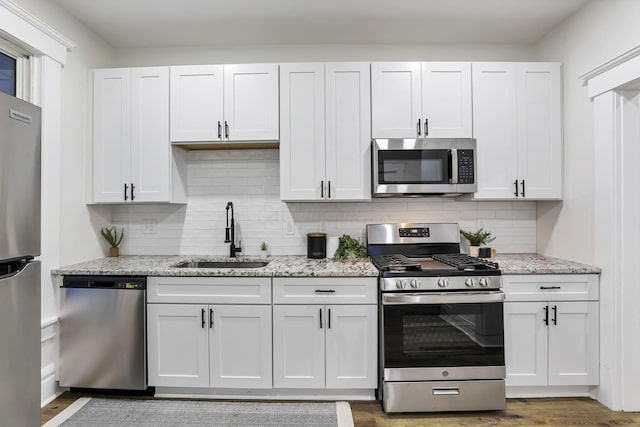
(209, 345)
(330, 344)
(551, 330)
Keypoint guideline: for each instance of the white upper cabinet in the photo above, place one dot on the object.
(517, 111)
(421, 100)
(132, 157)
(325, 132)
(224, 103)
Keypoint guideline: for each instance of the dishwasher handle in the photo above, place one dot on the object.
(105, 282)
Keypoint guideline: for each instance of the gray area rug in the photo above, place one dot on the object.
(105, 412)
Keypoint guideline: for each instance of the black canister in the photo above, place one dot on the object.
(316, 245)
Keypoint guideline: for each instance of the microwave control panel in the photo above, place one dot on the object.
(465, 167)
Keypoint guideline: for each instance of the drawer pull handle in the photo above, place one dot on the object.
(325, 291)
(448, 391)
(549, 287)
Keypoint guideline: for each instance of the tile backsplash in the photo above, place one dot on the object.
(250, 179)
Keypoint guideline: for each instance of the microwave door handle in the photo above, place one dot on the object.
(453, 179)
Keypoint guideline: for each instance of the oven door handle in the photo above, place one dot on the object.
(442, 298)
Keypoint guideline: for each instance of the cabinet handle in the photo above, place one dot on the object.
(321, 318)
(211, 318)
(555, 315)
(328, 189)
(132, 188)
(219, 130)
(322, 189)
(329, 319)
(546, 315)
(523, 188)
(549, 287)
(516, 184)
(202, 317)
(126, 187)
(327, 291)
(419, 127)
(226, 130)
(426, 127)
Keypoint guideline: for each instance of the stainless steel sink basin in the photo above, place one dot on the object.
(221, 264)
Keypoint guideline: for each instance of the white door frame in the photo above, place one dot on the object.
(614, 88)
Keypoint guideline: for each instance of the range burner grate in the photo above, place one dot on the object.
(395, 262)
(466, 262)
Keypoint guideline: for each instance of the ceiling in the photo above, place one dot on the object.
(170, 23)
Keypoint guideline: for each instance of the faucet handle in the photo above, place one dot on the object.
(239, 247)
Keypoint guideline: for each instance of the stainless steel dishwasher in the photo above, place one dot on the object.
(103, 332)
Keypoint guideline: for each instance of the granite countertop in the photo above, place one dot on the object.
(540, 264)
(296, 266)
(279, 266)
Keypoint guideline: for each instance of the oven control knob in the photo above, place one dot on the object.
(470, 282)
(400, 284)
(443, 283)
(415, 283)
(484, 282)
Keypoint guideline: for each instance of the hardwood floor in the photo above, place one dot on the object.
(519, 412)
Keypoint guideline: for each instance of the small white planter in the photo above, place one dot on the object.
(474, 250)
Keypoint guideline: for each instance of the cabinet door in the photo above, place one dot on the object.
(525, 343)
(150, 148)
(540, 129)
(395, 100)
(240, 346)
(495, 129)
(302, 137)
(348, 131)
(197, 103)
(298, 346)
(352, 346)
(177, 343)
(446, 99)
(573, 343)
(251, 102)
(111, 134)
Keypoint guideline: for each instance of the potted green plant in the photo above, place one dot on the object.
(114, 238)
(349, 249)
(264, 248)
(477, 239)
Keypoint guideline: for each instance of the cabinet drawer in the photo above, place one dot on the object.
(318, 290)
(209, 290)
(552, 287)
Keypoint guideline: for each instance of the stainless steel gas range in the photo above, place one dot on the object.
(441, 321)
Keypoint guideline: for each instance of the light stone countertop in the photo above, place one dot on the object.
(279, 266)
(540, 264)
(296, 266)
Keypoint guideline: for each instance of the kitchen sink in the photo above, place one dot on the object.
(221, 264)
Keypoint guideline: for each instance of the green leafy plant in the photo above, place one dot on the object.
(111, 235)
(349, 249)
(478, 238)
(264, 246)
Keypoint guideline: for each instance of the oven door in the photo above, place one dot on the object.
(442, 336)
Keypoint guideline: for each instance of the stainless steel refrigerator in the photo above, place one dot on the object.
(19, 270)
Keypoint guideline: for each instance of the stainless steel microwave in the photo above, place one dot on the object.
(423, 167)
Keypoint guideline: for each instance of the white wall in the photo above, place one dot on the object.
(600, 31)
(250, 179)
(322, 53)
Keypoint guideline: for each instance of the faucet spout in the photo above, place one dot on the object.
(230, 233)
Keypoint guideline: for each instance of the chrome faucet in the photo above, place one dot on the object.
(230, 233)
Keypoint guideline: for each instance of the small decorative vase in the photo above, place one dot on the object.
(114, 252)
(474, 251)
(265, 253)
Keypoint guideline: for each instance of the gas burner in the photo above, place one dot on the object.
(395, 262)
(465, 262)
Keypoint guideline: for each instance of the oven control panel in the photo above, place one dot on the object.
(450, 283)
(414, 232)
